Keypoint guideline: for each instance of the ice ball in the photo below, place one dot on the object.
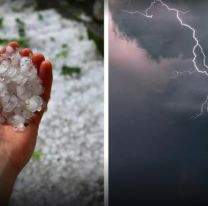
(20, 89)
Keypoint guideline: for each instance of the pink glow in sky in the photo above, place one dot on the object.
(128, 55)
(123, 51)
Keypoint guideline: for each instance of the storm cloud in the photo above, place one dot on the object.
(158, 153)
(162, 35)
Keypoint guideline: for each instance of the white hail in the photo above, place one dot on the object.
(20, 89)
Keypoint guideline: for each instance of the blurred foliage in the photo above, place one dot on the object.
(82, 5)
(20, 27)
(24, 42)
(40, 17)
(74, 8)
(52, 39)
(71, 71)
(64, 46)
(37, 154)
(98, 41)
(1, 22)
(63, 53)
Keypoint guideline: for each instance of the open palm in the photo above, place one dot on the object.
(17, 147)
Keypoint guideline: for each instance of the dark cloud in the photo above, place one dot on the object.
(183, 92)
(162, 35)
(158, 154)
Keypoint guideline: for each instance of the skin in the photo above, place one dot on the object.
(16, 148)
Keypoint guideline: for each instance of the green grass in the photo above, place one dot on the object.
(67, 70)
(40, 17)
(24, 42)
(1, 22)
(21, 27)
(64, 46)
(98, 41)
(81, 37)
(52, 39)
(63, 53)
(37, 154)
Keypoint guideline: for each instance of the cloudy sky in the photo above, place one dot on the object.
(158, 152)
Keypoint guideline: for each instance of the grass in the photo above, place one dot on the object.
(40, 17)
(81, 37)
(71, 71)
(52, 39)
(24, 42)
(20, 27)
(64, 46)
(1, 22)
(98, 41)
(64, 53)
(37, 154)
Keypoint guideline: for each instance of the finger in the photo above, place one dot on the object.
(35, 121)
(25, 52)
(13, 44)
(2, 50)
(37, 59)
(46, 76)
(11, 47)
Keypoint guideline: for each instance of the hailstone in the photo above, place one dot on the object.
(20, 89)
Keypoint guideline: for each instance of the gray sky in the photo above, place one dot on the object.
(156, 148)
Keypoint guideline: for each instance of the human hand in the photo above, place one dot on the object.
(16, 148)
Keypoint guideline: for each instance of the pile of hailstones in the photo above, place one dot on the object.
(20, 89)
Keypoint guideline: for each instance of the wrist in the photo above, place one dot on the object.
(7, 179)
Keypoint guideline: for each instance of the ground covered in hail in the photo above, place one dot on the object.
(67, 165)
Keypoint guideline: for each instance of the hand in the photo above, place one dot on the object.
(16, 148)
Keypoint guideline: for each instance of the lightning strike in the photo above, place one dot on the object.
(147, 14)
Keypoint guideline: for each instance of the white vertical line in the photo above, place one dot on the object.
(106, 102)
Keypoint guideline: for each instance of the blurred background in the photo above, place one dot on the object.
(67, 165)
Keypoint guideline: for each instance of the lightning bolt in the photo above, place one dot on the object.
(147, 14)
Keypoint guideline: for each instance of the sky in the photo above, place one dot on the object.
(158, 152)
